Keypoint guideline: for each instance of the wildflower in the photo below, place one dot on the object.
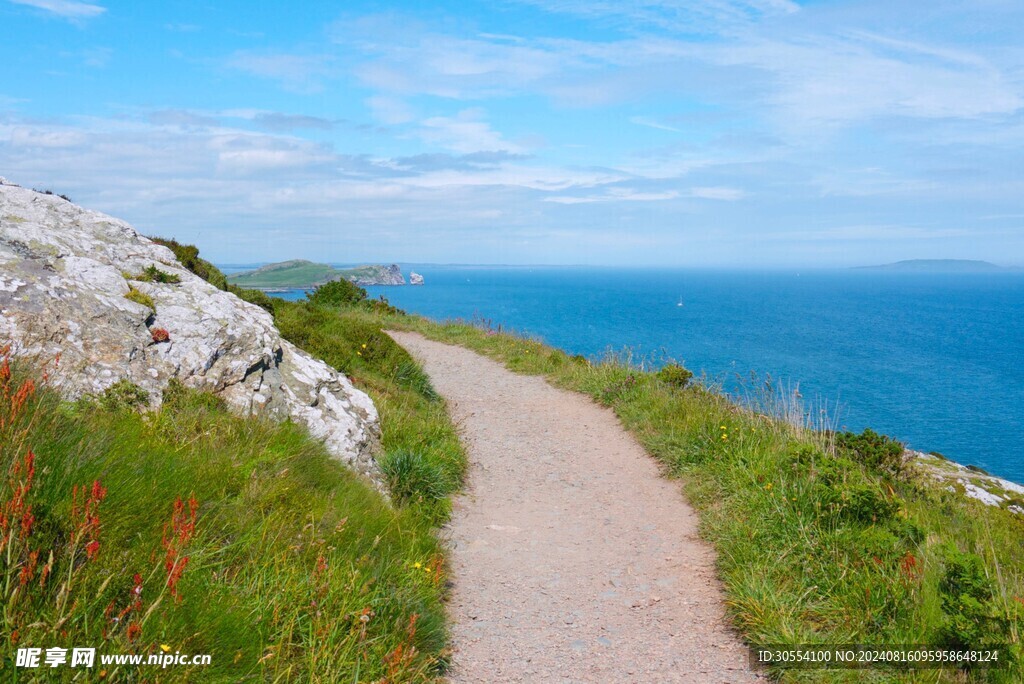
(165, 648)
(417, 565)
(364, 345)
(768, 486)
(177, 534)
(160, 335)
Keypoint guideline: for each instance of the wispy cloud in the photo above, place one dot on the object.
(69, 9)
(652, 123)
(466, 132)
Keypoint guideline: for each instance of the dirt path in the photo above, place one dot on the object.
(573, 561)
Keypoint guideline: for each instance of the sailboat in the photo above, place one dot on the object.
(680, 302)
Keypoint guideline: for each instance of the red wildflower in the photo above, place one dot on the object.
(177, 534)
(160, 335)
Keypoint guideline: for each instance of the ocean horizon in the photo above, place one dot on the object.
(931, 359)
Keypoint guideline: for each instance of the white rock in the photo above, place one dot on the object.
(62, 292)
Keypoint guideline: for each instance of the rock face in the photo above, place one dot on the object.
(415, 278)
(376, 275)
(62, 291)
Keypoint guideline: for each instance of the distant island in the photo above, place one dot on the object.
(938, 266)
(299, 274)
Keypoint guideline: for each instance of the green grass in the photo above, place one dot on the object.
(290, 550)
(296, 569)
(140, 297)
(820, 539)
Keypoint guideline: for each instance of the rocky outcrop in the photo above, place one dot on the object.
(64, 276)
(415, 278)
(376, 275)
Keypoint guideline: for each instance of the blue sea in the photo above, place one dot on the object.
(934, 360)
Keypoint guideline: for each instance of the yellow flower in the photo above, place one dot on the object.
(724, 428)
(417, 565)
(768, 486)
(359, 353)
(364, 345)
(427, 570)
(165, 648)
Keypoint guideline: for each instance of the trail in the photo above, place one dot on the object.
(572, 559)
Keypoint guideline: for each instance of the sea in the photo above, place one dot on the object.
(934, 360)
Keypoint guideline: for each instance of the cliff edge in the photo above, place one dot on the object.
(116, 306)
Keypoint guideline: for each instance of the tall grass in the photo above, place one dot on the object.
(822, 538)
(192, 530)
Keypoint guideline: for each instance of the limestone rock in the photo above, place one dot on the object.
(415, 278)
(62, 291)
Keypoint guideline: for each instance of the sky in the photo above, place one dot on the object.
(723, 133)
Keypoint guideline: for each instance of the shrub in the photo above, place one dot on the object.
(140, 298)
(872, 449)
(971, 620)
(675, 375)
(160, 335)
(152, 274)
(337, 293)
(413, 479)
(124, 395)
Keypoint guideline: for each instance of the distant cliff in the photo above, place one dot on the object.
(299, 273)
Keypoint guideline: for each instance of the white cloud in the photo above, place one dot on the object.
(465, 133)
(69, 9)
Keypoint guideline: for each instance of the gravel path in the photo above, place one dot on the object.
(573, 560)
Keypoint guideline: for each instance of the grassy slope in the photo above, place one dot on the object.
(297, 570)
(813, 546)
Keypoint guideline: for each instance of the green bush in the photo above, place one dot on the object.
(872, 449)
(675, 375)
(971, 618)
(337, 293)
(140, 298)
(123, 395)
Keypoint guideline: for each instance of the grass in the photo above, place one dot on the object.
(821, 538)
(140, 297)
(193, 530)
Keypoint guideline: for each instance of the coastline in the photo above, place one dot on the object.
(970, 481)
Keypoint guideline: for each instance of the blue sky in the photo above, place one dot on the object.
(752, 133)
